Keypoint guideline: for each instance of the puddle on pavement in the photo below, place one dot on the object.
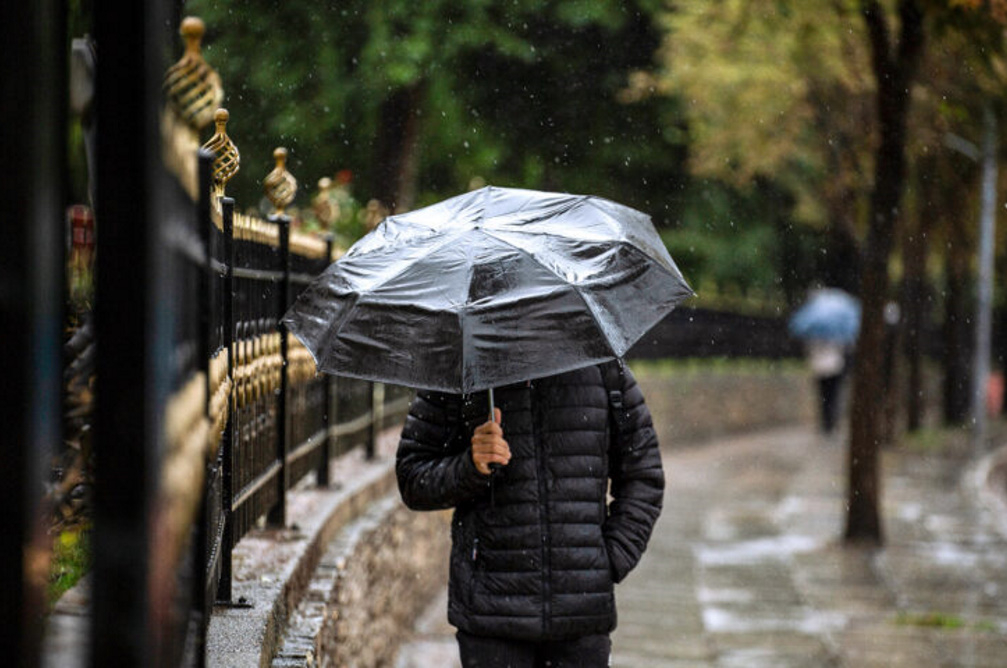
(747, 552)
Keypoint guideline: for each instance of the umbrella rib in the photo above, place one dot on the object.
(660, 266)
(564, 281)
(384, 280)
(577, 289)
(359, 292)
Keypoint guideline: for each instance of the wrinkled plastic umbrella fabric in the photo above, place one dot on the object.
(830, 314)
(489, 288)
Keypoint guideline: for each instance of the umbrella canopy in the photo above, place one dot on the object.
(492, 287)
(829, 314)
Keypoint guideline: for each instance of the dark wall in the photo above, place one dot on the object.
(697, 332)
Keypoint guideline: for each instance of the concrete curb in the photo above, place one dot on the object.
(989, 481)
(274, 567)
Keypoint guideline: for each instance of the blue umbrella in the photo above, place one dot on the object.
(829, 314)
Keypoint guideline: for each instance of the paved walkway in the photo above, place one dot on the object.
(745, 568)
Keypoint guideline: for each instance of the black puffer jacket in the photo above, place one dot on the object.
(537, 561)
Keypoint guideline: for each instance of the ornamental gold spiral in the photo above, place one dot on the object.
(192, 87)
(325, 206)
(280, 185)
(226, 161)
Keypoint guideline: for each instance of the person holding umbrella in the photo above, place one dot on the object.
(828, 322)
(510, 310)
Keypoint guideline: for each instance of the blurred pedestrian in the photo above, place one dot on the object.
(536, 546)
(828, 323)
(828, 361)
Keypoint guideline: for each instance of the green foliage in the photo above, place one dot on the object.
(716, 366)
(742, 245)
(71, 560)
(775, 90)
(943, 621)
(518, 93)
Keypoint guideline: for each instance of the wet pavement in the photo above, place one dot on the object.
(746, 569)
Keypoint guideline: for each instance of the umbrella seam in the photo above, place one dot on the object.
(620, 242)
(564, 282)
(577, 288)
(358, 291)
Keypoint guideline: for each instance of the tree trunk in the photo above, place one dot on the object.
(894, 74)
(957, 329)
(915, 294)
(397, 148)
(841, 266)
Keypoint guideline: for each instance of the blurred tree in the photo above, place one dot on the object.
(418, 99)
(777, 91)
(894, 67)
(959, 73)
(815, 98)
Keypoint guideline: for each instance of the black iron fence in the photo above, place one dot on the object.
(206, 414)
(268, 417)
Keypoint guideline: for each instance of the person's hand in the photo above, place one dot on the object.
(489, 446)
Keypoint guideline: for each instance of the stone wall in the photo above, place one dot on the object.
(372, 582)
(697, 402)
(392, 572)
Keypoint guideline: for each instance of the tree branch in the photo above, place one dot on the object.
(910, 42)
(877, 31)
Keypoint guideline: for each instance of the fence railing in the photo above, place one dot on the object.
(284, 421)
(244, 416)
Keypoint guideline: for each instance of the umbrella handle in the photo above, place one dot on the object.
(494, 467)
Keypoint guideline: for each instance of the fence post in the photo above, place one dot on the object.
(32, 145)
(377, 417)
(278, 514)
(227, 447)
(134, 346)
(330, 419)
(204, 536)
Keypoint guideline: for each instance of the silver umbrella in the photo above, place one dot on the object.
(489, 288)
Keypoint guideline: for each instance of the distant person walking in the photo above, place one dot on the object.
(828, 361)
(828, 322)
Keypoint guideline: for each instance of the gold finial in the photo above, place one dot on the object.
(226, 161)
(325, 205)
(192, 86)
(373, 214)
(280, 185)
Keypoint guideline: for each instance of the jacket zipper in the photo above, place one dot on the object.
(543, 511)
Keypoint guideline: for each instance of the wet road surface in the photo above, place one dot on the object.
(745, 568)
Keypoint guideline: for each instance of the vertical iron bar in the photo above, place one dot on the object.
(32, 141)
(328, 446)
(227, 447)
(372, 430)
(133, 328)
(278, 514)
(205, 532)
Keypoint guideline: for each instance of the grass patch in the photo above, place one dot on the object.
(935, 440)
(715, 365)
(71, 559)
(944, 621)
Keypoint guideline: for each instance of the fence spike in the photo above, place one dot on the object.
(226, 160)
(280, 185)
(324, 204)
(192, 87)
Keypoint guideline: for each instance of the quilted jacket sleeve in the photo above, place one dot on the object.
(637, 483)
(434, 463)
